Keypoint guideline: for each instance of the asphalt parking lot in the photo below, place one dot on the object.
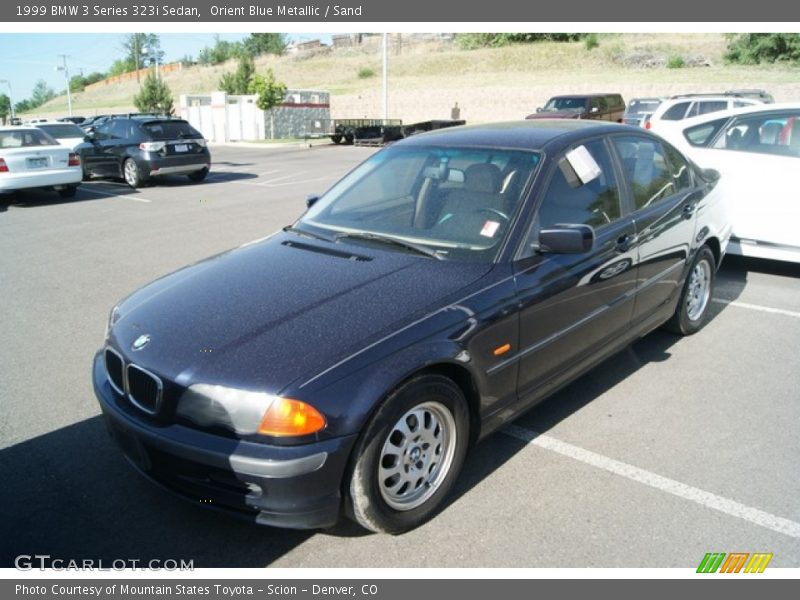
(671, 449)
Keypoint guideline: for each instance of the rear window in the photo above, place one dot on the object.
(170, 130)
(25, 138)
(63, 131)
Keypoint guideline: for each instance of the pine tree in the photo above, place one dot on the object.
(154, 96)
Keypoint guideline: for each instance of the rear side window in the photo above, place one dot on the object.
(170, 130)
(615, 101)
(120, 129)
(646, 168)
(709, 106)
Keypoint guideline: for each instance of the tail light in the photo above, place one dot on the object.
(3, 166)
(200, 142)
(152, 146)
(74, 160)
(647, 125)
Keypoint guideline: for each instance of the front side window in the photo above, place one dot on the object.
(769, 133)
(569, 200)
(457, 202)
(568, 103)
(646, 168)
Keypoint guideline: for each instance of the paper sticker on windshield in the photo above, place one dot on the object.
(489, 228)
(583, 164)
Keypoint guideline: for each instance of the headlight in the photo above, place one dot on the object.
(112, 319)
(246, 412)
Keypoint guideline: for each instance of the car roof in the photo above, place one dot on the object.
(19, 128)
(521, 135)
(592, 95)
(742, 110)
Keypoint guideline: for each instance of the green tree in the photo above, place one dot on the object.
(41, 93)
(264, 43)
(120, 66)
(5, 107)
(154, 96)
(221, 51)
(238, 82)
(754, 48)
(134, 45)
(270, 92)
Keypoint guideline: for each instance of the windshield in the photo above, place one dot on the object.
(571, 104)
(456, 202)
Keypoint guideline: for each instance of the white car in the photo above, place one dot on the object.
(29, 158)
(67, 134)
(757, 152)
(671, 113)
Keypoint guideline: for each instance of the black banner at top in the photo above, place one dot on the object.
(392, 11)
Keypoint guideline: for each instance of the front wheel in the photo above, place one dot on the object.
(409, 455)
(692, 310)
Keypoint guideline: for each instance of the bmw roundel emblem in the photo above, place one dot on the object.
(140, 342)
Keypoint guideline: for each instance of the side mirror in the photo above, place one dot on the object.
(311, 200)
(710, 175)
(595, 109)
(566, 239)
(540, 109)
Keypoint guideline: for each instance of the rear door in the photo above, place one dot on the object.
(664, 199)
(573, 306)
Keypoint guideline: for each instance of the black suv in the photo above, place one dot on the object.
(137, 147)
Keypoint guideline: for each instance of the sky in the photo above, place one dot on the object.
(29, 57)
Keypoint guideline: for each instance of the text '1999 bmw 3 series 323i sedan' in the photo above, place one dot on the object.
(344, 365)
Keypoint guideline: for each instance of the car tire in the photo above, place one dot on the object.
(336, 139)
(409, 456)
(132, 174)
(692, 310)
(68, 192)
(198, 176)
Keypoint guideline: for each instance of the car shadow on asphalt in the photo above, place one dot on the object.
(498, 448)
(38, 198)
(70, 494)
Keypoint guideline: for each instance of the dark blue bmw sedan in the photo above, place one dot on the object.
(346, 364)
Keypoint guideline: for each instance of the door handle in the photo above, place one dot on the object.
(624, 242)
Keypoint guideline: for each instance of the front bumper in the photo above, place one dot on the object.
(284, 486)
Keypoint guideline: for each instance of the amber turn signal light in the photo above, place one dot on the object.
(286, 417)
(500, 350)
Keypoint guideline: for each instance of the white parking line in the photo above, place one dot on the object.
(670, 486)
(110, 194)
(290, 176)
(767, 309)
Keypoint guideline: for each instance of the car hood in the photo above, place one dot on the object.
(262, 315)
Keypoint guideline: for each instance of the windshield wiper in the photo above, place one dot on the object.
(306, 233)
(385, 239)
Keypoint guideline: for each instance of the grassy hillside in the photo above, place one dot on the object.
(489, 84)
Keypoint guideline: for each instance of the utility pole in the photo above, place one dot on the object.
(385, 76)
(136, 54)
(65, 68)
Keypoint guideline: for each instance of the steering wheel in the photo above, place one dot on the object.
(494, 211)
